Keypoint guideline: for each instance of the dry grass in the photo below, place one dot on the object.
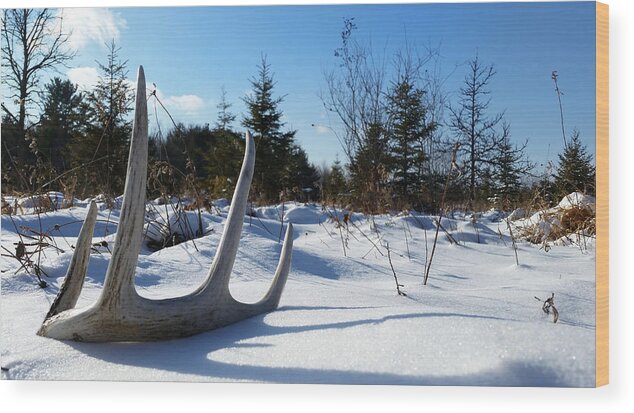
(557, 223)
(577, 219)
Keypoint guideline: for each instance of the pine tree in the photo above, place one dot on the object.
(300, 176)
(64, 117)
(223, 161)
(273, 147)
(225, 117)
(335, 185)
(511, 166)
(507, 177)
(408, 135)
(17, 158)
(575, 171)
(224, 157)
(108, 136)
(369, 173)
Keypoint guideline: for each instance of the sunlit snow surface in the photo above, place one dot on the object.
(340, 320)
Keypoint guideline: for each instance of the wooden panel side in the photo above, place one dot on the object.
(602, 171)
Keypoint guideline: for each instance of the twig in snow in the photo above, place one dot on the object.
(322, 241)
(500, 234)
(336, 220)
(262, 223)
(474, 221)
(442, 206)
(409, 257)
(326, 229)
(408, 228)
(368, 238)
(450, 237)
(24, 256)
(426, 248)
(343, 243)
(548, 306)
(389, 258)
(513, 240)
(368, 253)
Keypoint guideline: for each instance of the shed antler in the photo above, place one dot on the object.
(120, 313)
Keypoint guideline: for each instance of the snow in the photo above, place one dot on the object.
(340, 320)
(165, 221)
(577, 199)
(518, 213)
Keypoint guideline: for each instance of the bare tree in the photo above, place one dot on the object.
(354, 92)
(438, 150)
(33, 41)
(355, 95)
(476, 131)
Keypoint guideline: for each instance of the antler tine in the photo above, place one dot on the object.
(272, 297)
(74, 280)
(220, 270)
(119, 282)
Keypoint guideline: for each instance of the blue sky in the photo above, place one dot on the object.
(192, 52)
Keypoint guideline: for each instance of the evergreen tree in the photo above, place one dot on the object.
(273, 147)
(511, 166)
(210, 158)
(408, 135)
(194, 142)
(369, 173)
(223, 161)
(576, 171)
(16, 157)
(300, 176)
(334, 185)
(64, 116)
(507, 177)
(487, 189)
(225, 117)
(108, 136)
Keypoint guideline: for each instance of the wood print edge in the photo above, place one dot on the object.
(602, 185)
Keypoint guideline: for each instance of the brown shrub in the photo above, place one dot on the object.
(578, 219)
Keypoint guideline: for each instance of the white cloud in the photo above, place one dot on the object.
(323, 130)
(186, 103)
(85, 77)
(91, 26)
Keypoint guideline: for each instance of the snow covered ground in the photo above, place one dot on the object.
(340, 320)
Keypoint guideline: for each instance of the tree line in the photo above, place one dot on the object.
(79, 141)
(397, 132)
(399, 129)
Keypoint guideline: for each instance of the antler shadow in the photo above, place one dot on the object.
(120, 313)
